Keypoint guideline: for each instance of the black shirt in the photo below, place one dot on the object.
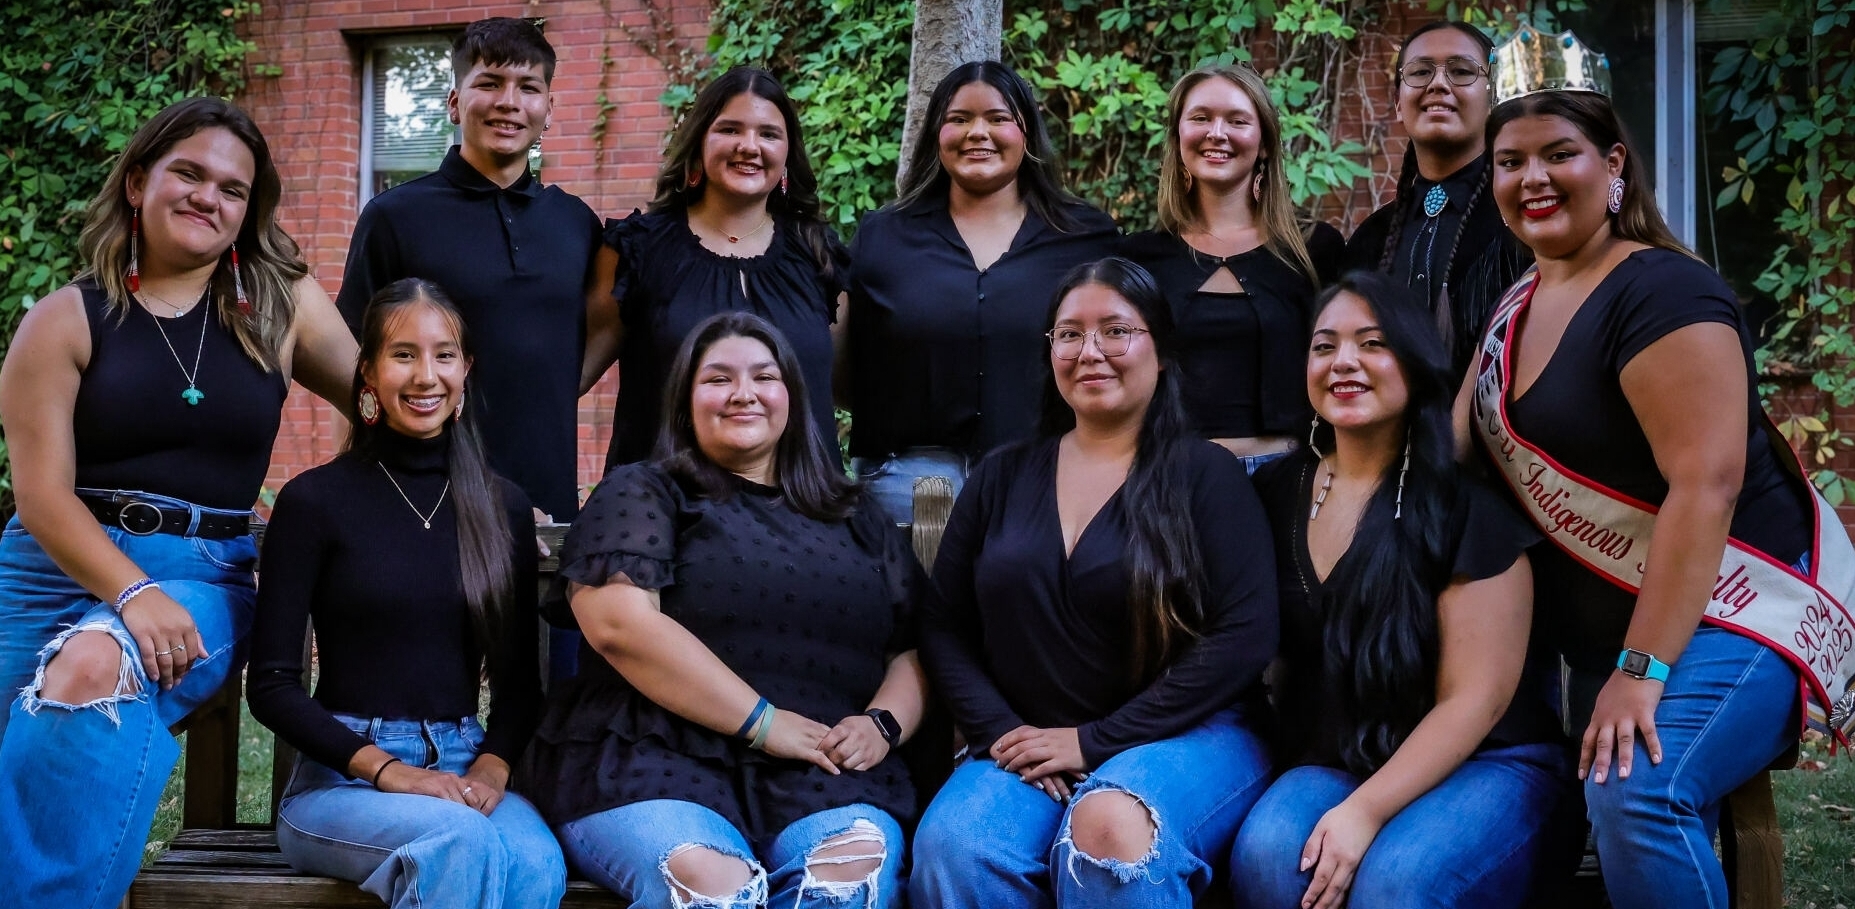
(1243, 356)
(667, 281)
(1485, 538)
(1486, 263)
(807, 612)
(942, 353)
(516, 262)
(1022, 635)
(393, 630)
(133, 431)
(1577, 413)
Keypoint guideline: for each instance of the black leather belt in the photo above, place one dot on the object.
(142, 518)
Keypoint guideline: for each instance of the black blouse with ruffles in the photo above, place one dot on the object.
(667, 281)
(807, 612)
(1243, 354)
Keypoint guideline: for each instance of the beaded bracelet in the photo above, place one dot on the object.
(753, 719)
(132, 591)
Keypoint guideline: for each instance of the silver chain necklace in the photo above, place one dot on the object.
(193, 396)
(424, 518)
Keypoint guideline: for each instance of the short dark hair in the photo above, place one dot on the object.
(501, 41)
(809, 474)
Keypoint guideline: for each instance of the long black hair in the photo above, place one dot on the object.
(1382, 640)
(797, 201)
(1167, 590)
(485, 547)
(806, 472)
(1040, 182)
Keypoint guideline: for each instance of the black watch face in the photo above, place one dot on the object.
(891, 730)
(1636, 663)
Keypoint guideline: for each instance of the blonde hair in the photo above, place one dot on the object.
(269, 261)
(1281, 234)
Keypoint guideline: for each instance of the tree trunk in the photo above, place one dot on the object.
(947, 34)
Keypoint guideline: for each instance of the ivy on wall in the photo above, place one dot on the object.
(76, 79)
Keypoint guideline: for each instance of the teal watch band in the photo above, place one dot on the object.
(1638, 664)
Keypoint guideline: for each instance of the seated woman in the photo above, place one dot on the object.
(417, 566)
(1107, 607)
(1233, 264)
(140, 403)
(749, 663)
(1419, 778)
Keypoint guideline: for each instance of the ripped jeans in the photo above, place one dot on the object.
(79, 783)
(989, 839)
(629, 850)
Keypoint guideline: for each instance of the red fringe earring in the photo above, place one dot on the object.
(135, 265)
(782, 184)
(238, 285)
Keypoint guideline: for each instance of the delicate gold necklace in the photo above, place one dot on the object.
(424, 518)
(736, 239)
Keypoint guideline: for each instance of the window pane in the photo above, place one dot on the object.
(412, 130)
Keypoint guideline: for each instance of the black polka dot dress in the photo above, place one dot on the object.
(807, 612)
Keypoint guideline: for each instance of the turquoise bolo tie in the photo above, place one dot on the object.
(1434, 201)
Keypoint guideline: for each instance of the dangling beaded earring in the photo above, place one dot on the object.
(368, 405)
(782, 183)
(458, 414)
(1313, 428)
(238, 285)
(1616, 195)
(1402, 470)
(135, 262)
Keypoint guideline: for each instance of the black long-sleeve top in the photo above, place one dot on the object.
(945, 354)
(393, 632)
(1019, 634)
(1243, 355)
(517, 262)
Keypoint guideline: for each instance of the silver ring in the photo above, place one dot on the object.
(174, 649)
(466, 790)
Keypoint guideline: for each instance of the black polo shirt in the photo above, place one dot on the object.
(516, 262)
(942, 353)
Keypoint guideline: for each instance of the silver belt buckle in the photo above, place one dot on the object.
(123, 520)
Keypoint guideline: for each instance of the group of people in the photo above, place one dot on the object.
(1266, 558)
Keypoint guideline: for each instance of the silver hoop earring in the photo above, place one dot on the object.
(1313, 428)
(1405, 468)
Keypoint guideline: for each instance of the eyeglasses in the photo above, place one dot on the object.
(1111, 340)
(1460, 70)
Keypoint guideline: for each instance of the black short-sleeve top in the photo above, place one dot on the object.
(133, 430)
(1485, 538)
(667, 281)
(1021, 634)
(1243, 354)
(805, 611)
(942, 353)
(1577, 413)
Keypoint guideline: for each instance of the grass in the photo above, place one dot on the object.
(1816, 809)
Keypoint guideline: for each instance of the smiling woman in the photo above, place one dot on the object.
(734, 227)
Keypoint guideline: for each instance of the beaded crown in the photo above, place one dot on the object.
(1532, 61)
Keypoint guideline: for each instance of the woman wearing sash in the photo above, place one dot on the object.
(1419, 777)
(1107, 605)
(1615, 395)
(947, 285)
(1233, 264)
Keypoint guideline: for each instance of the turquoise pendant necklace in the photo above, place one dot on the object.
(193, 396)
(1435, 200)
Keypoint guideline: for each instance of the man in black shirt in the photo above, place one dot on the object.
(516, 257)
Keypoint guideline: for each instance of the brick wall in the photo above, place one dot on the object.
(311, 114)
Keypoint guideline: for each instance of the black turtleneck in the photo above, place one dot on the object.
(393, 633)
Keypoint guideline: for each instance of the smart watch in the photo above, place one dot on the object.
(1639, 665)
(886, 724)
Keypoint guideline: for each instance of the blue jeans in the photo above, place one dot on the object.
(989, 839)
(417, 850)
(1253, 463)
(1471, 841)
(79, 782)
(892, 481)
(628, 850)
(1727, 712)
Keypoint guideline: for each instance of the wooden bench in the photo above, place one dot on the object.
(217, 863)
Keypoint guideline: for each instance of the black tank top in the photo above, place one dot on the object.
(132, 428)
